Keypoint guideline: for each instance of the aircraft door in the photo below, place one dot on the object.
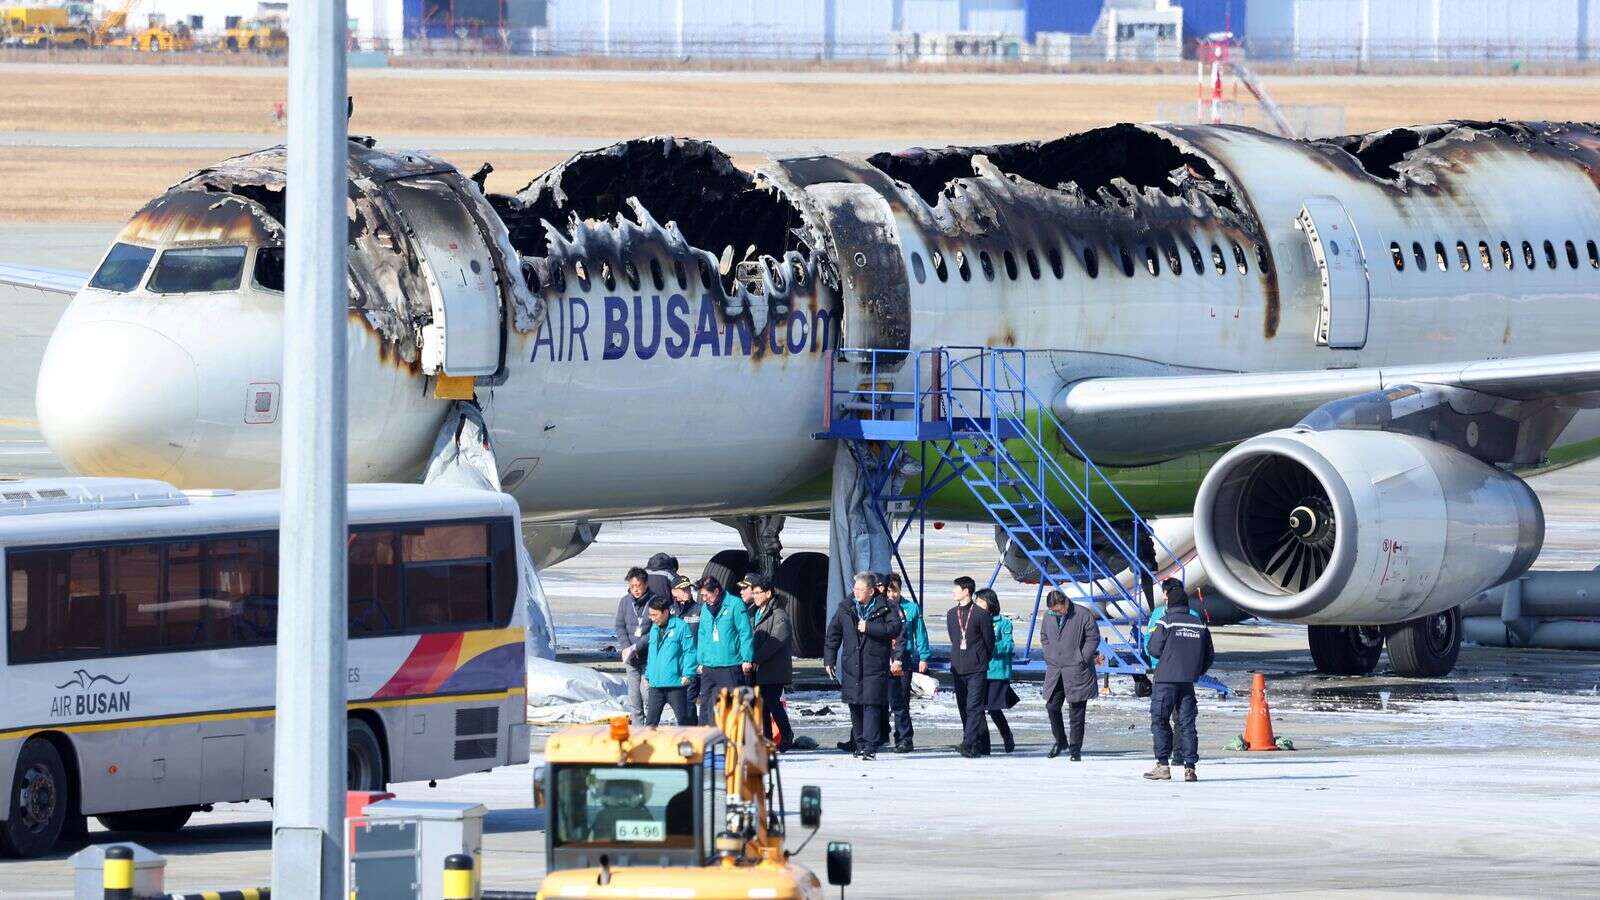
(465, 336)
(872, 270)
(1346, 289)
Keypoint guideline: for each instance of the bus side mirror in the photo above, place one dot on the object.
(811, 806)
(538, 788)
(839, 863)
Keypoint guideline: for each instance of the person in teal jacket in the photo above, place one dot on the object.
(670, 665)
(911, 654)
(999, 693)
(726, 646)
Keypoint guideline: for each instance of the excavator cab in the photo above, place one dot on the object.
(636, 813)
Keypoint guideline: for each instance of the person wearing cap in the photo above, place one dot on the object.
(911, 655)
(1070, 638)
(631, 627)
(774, 658)
(856, 651)
(671, 664)
(684, 607)
(725, 648)
(1182, 643)
(663, 571)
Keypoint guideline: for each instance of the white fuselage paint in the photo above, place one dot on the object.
(669, 422)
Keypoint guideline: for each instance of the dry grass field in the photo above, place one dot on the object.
(76, 184)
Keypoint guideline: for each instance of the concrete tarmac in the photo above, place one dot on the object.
(1475, 784)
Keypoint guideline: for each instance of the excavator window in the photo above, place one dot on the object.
(623, 807)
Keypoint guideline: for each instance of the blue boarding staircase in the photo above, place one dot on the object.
(969, 415)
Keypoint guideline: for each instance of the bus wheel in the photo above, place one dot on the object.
(167, 819)
(363, 757)
(40, 799)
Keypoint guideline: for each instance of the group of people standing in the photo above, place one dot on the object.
(683, 641)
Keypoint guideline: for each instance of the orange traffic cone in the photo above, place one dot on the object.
(1258, 724)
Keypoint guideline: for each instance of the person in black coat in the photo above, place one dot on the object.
(774, 658)
(971, 647)
(1182, 643)
(859, 637)
(1071, 641)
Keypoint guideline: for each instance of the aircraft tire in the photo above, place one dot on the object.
(1343, 650)
(1426, 647)
(727, 566)
(166, 820)
(802, 586)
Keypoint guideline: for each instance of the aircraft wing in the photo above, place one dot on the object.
(1131, 421)
(56, 281)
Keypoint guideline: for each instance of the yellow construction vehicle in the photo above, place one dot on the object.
(44, 27)
(162, 38)
(262, 35)
(644, 814)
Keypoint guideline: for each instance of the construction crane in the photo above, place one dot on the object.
(642, 814)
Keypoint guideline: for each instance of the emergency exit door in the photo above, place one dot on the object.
(464, 338)
(872, 270)
(1340, 260)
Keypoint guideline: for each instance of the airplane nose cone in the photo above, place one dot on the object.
(116, 398)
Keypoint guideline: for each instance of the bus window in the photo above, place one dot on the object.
(507, 576)
(374, 584)
(184, 611)
(191, 270)
(234, 582)
(133, 588)
(446, 575)
(57, 609)
(123, 268)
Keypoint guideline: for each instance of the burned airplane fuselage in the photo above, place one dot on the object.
(648, 328)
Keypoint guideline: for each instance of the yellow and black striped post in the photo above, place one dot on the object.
(458, 877)
(117, 873)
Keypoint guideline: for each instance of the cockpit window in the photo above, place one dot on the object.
(123, 268)
(269, 268)
(190, 270)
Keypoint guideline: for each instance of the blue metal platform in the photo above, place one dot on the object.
(968, 414)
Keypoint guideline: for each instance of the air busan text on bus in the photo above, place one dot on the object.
(139, 658)
(1388, 330)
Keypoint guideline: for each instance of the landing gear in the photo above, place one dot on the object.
(1345, 649)
(727, 567)
(802, 584)
(1426, 647)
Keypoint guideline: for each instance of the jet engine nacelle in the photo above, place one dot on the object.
(551, 544)
(1360, 527)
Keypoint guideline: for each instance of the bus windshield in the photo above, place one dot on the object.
(123, 268)
(624, 807)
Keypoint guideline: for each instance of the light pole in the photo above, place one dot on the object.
(309, 751)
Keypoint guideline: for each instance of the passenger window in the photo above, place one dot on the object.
(374, 583)
(1091, 263)
(1174, 259)
(1033, 263)
(57, 607)
(1239, 260)
(1150, 263)
(1439, 257)
(1010, 261)
(1054, 257)
(1126, 260)
(1398, 255)
(1527, 256)
(1572, 255)
(133, 588)
(1506, 258)
(1594, 256)
(1195, 257)
(917, 269)
(1217, 261)
(194, 270)
(987, 264)
(122, 269)
(234, 586)
(1549, 255)
(939, 267)
(630, 272)
(1462, 258)
(962, 269)
(681, 276)
(657, 277)
(446, 575)
(269, 269)
(186, 613)
(1483, 256)
(1261, 258)
(1416, 252)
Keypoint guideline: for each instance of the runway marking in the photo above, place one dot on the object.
(23, 448)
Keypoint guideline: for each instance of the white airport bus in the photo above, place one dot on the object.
(137, 674)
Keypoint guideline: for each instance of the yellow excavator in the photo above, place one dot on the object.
(643, 813)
